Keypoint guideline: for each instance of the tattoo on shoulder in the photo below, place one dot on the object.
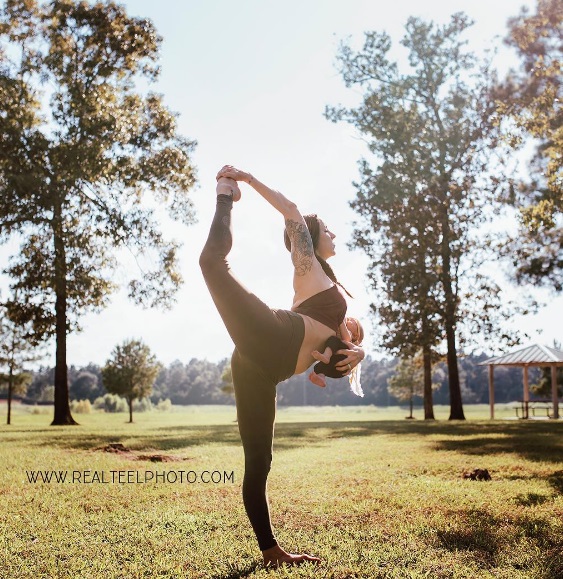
(302, 252)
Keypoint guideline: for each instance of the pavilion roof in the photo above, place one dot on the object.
(535, 354)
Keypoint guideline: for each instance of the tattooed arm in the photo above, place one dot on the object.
(302, 252)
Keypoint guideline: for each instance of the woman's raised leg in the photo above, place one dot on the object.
(252, 325)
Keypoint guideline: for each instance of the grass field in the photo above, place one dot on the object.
(372, 494)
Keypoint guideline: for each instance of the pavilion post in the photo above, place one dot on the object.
(526, 392)
(492, 390)
(554, 393)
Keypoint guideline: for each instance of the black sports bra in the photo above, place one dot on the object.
(327, 307)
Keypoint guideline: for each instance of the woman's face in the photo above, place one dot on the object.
(325, 245)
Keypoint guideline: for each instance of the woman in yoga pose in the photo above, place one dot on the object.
(271, 344)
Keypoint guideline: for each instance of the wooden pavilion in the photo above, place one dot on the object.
(535, 355)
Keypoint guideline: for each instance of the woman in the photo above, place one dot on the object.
(271, 345)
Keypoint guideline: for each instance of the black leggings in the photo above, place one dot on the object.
(267, 344)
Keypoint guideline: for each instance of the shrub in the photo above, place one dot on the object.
(115, 403)
(81, 406)
(142, 405)
(164, 405)
(111, 403)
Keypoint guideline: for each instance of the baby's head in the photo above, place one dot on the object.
(356, 330)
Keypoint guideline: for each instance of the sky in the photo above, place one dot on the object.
(250, 81)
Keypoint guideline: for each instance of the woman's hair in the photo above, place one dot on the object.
(313, 226)
(359, 338)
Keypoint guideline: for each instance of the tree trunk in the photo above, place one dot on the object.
(427, 339)
(130, 400)
(456, 406)
(10, 388)
(427, 365)
(62, 406)
(410, 406)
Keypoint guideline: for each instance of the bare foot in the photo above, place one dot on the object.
(320, 357)
(226, 186)
(276, 556)
(317, 379)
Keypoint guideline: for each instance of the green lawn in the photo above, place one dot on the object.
(370, 493)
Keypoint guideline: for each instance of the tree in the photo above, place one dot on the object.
(409, 314)
(529, 105)
(227, 380)
(431, 132)
(81, 149)
(408, 381)
(15, 352)
(85, 387)
(131, 372)
(543, 386)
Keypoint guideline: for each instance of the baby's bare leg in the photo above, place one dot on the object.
(318, 379)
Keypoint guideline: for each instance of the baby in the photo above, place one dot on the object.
(350, 330)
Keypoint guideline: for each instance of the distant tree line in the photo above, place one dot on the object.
(203, 382)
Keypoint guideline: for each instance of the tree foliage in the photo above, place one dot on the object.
(131, 372)
(423, 195)
(408, 380)
(543, 387)
(85, 386)
(228, 386)
(530, 106)
(81, 148)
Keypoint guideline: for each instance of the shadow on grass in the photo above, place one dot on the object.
(477, 533)
(484, 537)
(531, 499)
(553, 561)
(548, 541)
(534, 441)
(541, 445)
(239, 573)
(556, 481)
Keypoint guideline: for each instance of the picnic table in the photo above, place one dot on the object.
(524, 407)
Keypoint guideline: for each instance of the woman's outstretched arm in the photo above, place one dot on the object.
(276, 199)
(302, 251)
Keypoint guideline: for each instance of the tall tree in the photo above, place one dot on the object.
(131, 372)
(409, 313)
(529, 103)
(430, 131)
(17, 350)
(81, 148)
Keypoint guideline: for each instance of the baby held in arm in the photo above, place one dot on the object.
(350, 330)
